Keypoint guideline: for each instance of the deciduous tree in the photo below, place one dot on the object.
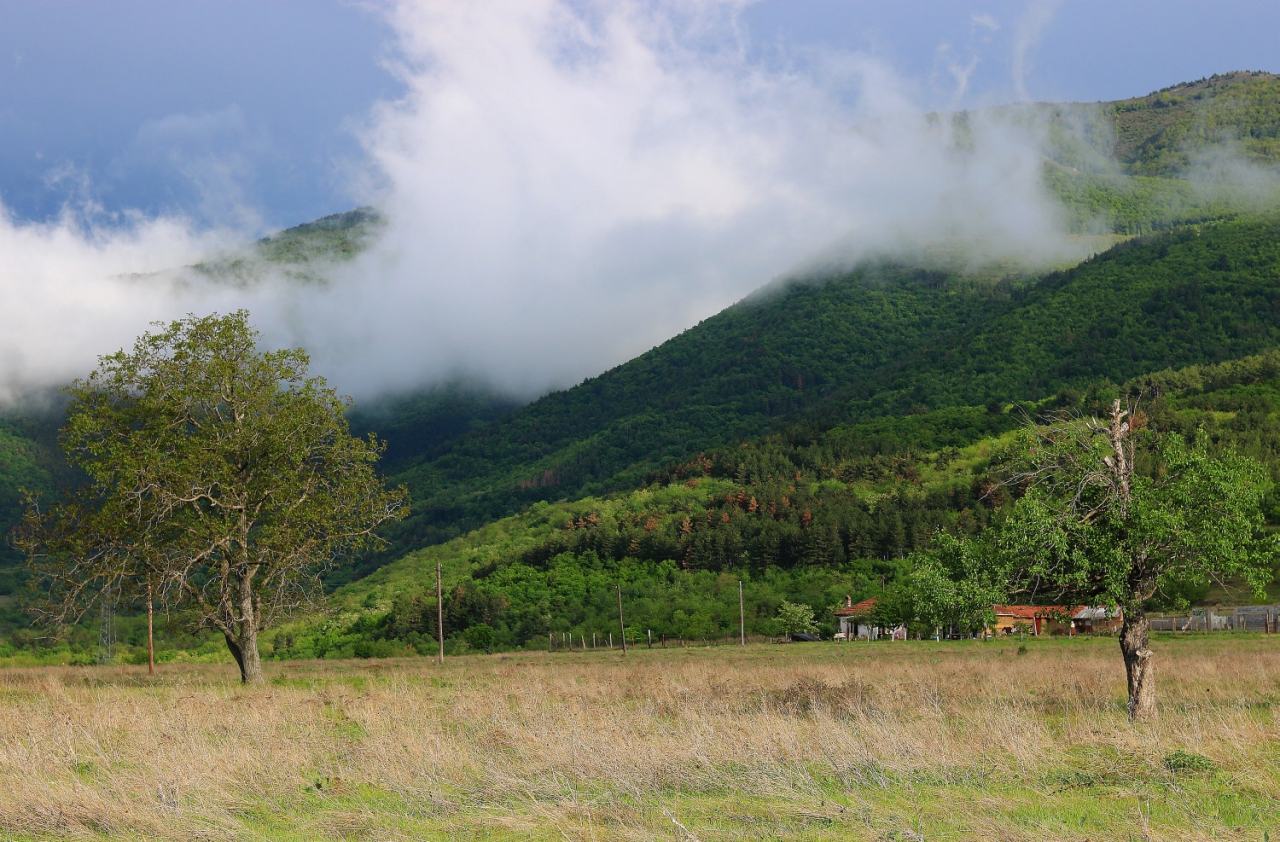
(796, 619)
(220, 473)
(955, 584)
(1113, 513)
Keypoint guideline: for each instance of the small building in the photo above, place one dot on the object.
(1096, 619)
(855, 622)
(1055, 619)
(1030, 619)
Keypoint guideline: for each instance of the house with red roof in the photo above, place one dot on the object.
(1050, 619)
(856, 622)
(1028, 619)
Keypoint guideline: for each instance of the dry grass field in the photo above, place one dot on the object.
(903, 741)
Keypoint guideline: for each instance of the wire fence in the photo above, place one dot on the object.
(645, 639)
(1252, 618)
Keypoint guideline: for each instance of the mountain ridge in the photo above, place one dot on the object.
(474, 457)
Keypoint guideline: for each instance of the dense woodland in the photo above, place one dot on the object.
(809, 438)
(797, 515)
(885, 340)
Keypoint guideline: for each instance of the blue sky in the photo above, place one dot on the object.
(248, 113)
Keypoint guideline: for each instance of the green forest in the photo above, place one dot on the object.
(806, 440)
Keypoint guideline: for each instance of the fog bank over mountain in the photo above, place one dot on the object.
(564, 186)
(565, 189)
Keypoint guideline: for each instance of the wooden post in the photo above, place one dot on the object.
(151, 633)
(622, 625)
(440, 611)
(742, 617)
(549, 646)
(650, 638)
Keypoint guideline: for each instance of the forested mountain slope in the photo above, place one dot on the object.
(884, 340)
(801, 515)
(1162, 133)
(1169, 132)
(1188, 153)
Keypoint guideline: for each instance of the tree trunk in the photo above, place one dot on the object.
(245, 650)
(1137, 664)
(151, 633)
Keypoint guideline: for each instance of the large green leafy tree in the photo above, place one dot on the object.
(220, 474)
(955, 586)
(1114, 513)
(796, 619)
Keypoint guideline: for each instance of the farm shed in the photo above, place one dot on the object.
(1094, 619)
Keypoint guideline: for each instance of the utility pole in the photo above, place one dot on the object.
(742, 617)
(440, 612)
(621, 624)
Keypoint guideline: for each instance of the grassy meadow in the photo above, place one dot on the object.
(884, 741)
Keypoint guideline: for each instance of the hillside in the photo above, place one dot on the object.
(300, 254)
(1188, 153)
(885, 340)
(805, 516)
(1170, 132)
(1117, 167)
(1163, 133)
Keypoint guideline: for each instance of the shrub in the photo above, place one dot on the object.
(480, 636)
(1185, 761)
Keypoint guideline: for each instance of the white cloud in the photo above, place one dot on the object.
(73, 290)
(568, 188)
(1026, 37)
(985, 21)
(565, 185)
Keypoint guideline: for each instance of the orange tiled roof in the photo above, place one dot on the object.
(1027, 612)
(861, 609)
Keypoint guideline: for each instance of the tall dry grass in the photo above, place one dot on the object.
(959, 740)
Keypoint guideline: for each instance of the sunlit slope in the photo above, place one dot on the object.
(1188, 153)
(301, 254)
(752, 368)
(880, 341)
(804, 515)
(1163, 133)
(1195, 295)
